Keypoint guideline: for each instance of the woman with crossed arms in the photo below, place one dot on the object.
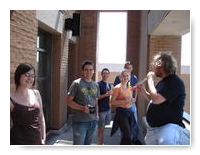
(124, 117)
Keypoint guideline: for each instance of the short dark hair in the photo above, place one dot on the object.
(87, 62)
(127, 63)
(105, 69)
(22, 69)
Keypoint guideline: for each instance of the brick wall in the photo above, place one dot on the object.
(23, 35)
(186, 80)
(133, 39)
(164, 43)
(87, 40)
(60, 76)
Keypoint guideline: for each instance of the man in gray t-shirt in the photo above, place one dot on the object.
(82, 98)
(85, 94)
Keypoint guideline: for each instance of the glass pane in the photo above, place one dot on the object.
(42, 64)
(38, 41)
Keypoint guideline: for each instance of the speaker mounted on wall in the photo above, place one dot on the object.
(73, 24)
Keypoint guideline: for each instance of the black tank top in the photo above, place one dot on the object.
(26, 128)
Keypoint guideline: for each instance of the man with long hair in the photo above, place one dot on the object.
(167, 99)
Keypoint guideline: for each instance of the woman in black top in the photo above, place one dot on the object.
(28, 125)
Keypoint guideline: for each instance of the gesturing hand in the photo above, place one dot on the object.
(140, 87)
(150, 75)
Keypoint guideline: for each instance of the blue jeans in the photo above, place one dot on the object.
(169, 134)
(134, 109)
(135, 127)
(83, 132)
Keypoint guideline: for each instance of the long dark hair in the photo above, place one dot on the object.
(22, 69)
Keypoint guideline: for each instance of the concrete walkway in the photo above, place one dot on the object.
(66, 137)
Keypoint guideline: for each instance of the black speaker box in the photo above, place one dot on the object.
(73, 24)
(68, 24)
(76, 24)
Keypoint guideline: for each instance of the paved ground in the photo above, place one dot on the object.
(66, 137)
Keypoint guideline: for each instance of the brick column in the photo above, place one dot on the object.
(87, 40)
(133, 39)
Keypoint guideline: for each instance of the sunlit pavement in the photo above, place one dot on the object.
(66, 138)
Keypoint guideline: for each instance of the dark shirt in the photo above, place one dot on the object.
(172, 89)
(26, 128)
(104, 102)
(133, 81)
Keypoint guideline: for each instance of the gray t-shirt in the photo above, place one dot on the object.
(84, 93)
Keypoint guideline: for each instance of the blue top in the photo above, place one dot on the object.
(133, 81)
(104, 102)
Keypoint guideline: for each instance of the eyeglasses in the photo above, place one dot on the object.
(105, 73)
(28, 75)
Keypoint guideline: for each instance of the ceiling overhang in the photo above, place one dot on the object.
(176, 22)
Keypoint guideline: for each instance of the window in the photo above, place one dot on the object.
(186, 53)
(44, 45)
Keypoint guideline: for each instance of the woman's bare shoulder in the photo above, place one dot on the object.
(36, 91)
(117, 86)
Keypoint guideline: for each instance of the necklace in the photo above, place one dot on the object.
(123, 86)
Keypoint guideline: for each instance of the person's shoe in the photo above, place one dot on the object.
(136, 142)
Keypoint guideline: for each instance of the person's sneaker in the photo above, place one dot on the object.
(136, 142)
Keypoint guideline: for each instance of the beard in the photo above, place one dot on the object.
(158, 74)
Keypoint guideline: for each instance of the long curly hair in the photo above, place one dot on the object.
(166, 61)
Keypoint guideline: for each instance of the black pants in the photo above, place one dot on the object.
(125, 127)
(125, 120)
